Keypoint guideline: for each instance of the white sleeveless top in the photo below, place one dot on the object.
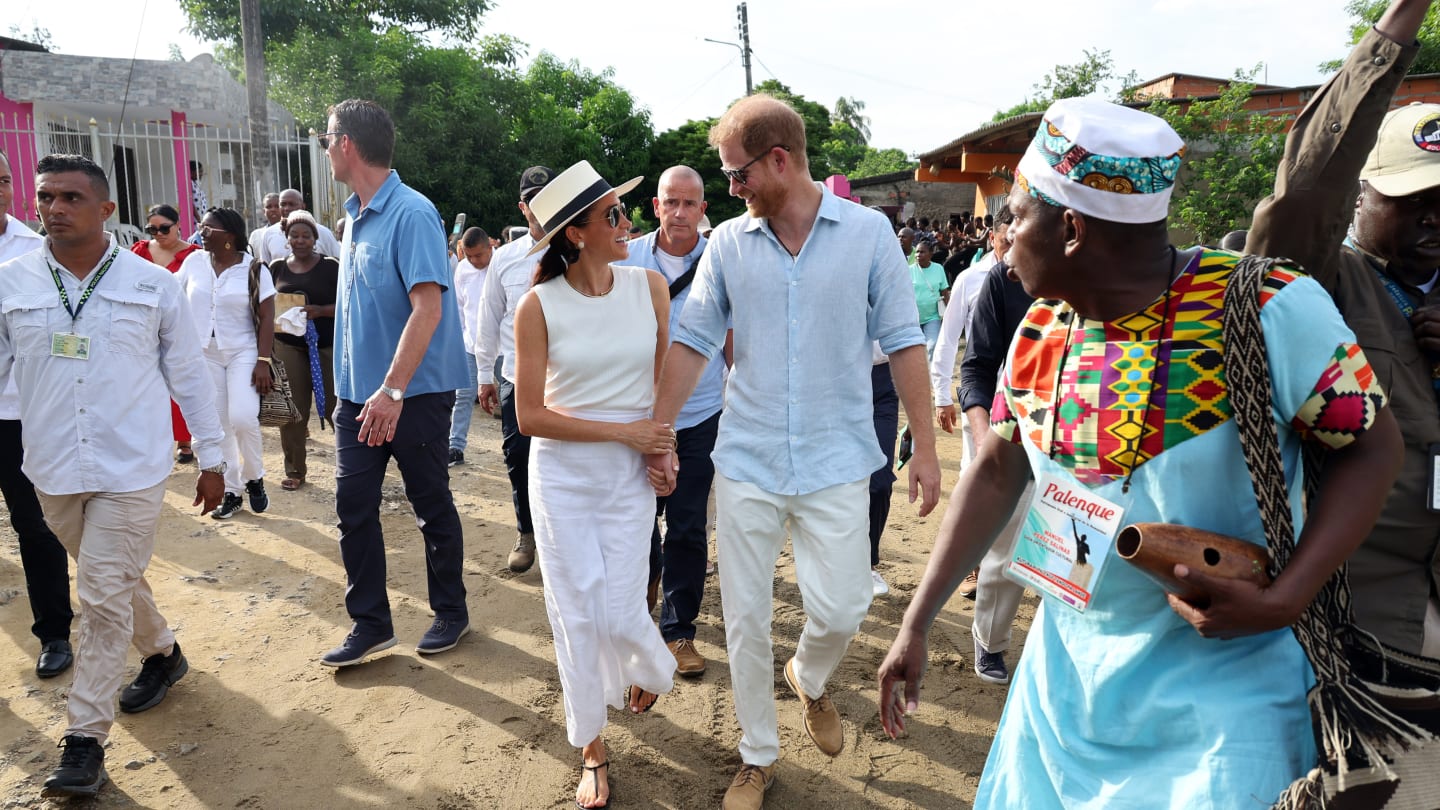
(602, 348)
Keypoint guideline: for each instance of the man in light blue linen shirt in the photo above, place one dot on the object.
(674, 249)
(808, 280)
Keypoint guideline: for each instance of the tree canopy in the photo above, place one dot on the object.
(469, 120)
(288, 20)
(1090, 76)
(1368, 12)
(1232, 155)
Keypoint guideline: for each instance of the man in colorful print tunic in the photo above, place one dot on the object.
(1116, 388)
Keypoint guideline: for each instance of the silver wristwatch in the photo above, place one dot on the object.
(395, 394)
(218, 469)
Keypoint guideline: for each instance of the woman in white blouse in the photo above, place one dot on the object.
(217, 284)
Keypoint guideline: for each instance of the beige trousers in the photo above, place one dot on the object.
(111, 536)
(830, 535)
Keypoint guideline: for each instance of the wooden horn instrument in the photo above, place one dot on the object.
(1155, 548)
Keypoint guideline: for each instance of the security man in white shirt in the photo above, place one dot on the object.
(97, 339)
(506, 281)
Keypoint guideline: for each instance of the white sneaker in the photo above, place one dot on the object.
(877, 583)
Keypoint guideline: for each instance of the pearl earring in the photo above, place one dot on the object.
(580, 246)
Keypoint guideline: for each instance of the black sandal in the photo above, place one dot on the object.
(594, 769)
(654, 698)
(184, 455)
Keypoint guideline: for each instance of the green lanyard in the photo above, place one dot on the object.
(89, 288)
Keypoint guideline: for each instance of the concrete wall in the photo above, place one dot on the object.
(933, 200)
(200, 87)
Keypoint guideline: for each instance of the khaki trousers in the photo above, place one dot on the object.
(111, 535)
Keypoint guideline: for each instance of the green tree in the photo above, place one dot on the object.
(467, 121)
(1089, 76)
(882, 161)
(851, 112)
(288, 20)
(817, 123)
(448, 106)
(689, 145)
(571, 113)
(1232, 155)
(1368, 12)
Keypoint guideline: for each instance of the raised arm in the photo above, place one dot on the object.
(1306, 217)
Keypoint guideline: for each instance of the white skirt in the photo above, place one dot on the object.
(593, 512)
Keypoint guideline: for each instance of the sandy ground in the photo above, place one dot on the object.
(258, 723)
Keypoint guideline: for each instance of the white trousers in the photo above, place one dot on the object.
(831, 542)
(593, 512)
(111, 536)
(239, 406)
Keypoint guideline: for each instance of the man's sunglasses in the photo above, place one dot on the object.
(612, 216)
(326, 139)
(156, 230)
(742, 174)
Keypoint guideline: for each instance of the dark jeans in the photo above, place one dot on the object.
(420, 449)
(515, 446)
(47, 578)
(680, 560)
(887, 426)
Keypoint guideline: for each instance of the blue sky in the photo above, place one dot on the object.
(927, 72)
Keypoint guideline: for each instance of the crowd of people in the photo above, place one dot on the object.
(765, 363)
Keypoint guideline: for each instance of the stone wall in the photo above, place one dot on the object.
(933, 200)
(200, 85)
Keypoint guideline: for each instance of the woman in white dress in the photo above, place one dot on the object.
(216, 282)
(590, 337)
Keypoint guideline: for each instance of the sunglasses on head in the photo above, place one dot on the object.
(327, 138)
(742, 174)
(156, 230)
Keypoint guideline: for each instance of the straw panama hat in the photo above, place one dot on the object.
(567, 196)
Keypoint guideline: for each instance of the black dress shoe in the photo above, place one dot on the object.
(55, 657)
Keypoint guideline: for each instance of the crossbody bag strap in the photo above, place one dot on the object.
(678, 285)
(1354, 729)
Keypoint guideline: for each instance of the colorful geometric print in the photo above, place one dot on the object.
(1112, 369)
(1344, 402)
(1121, 175)
(1034, 192)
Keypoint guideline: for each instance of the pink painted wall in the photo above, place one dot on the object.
(17, 139)
(839, 185)
(182, 174)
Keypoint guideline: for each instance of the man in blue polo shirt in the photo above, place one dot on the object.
(399, 357)
(674, 249)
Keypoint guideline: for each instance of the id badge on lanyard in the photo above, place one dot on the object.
(69, 344)
(1432, 493)
(1065, 542)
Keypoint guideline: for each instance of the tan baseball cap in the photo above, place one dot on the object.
(1406, 157)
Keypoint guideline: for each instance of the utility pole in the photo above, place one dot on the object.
(745, 46)
(253, 41)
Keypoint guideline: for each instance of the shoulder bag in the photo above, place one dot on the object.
(1376, 709)
(277, 408)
